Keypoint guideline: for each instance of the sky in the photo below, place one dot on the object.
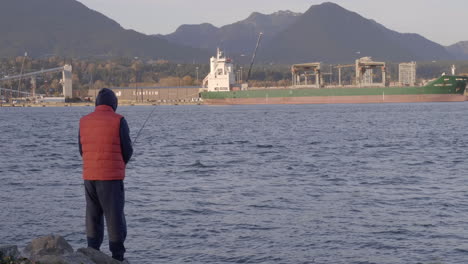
(442, 21)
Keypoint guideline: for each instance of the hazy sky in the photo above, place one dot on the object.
(443, 21)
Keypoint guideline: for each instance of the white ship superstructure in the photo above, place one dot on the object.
(221, 76)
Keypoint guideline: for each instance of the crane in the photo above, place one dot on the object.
(339, 71)
(260, 35)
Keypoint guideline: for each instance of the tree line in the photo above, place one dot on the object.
(124, 72)
(97, 74)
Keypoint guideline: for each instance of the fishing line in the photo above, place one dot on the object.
(144, 124)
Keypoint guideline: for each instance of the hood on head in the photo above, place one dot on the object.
(107, 97)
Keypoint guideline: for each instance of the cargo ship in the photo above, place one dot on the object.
(444, 89)
(220, 89)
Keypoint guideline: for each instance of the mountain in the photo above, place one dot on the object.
(330, 33)
(459, 50)
(239, 37)
(68, 28)
(197, 36)
(326, 32)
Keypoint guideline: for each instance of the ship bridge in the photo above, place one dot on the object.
(221, 76)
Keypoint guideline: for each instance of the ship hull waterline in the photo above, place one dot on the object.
(361, 99)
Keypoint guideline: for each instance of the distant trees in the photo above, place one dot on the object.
(96, 74)
(124, 72)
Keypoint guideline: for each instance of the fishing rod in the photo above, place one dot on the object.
(144, 124)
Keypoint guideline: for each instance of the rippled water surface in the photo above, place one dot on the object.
(255, 184)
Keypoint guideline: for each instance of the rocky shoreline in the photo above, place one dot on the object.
(52, 250)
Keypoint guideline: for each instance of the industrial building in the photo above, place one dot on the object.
(66, 81)
(154, 94)
(310, 74)
(365, 72)
(407, 74)
(306, 74)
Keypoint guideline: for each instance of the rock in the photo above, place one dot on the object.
(9, 251)
(51, 259)
(48, 246)
(56, 250)
(23, 261)
(97, 256)
(78, 258)
(75, 258)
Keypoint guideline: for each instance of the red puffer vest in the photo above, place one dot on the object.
(100, 141)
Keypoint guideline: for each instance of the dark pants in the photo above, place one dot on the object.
(106, 199)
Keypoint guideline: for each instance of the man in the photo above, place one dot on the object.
(106, 148)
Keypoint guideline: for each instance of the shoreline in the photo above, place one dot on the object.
(52, 249)
(91, 104)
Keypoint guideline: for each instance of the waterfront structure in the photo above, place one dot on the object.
(66, 81)
(303, 75)
(407, 73)
(364, 72)
(340, 68)
(153, 94)
(222, 76)
(368, 77)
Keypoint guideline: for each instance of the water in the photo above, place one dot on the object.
(255, 184)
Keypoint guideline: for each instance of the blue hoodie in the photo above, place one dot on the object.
(107, 97)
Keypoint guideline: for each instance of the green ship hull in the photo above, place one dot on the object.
(446, 88)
